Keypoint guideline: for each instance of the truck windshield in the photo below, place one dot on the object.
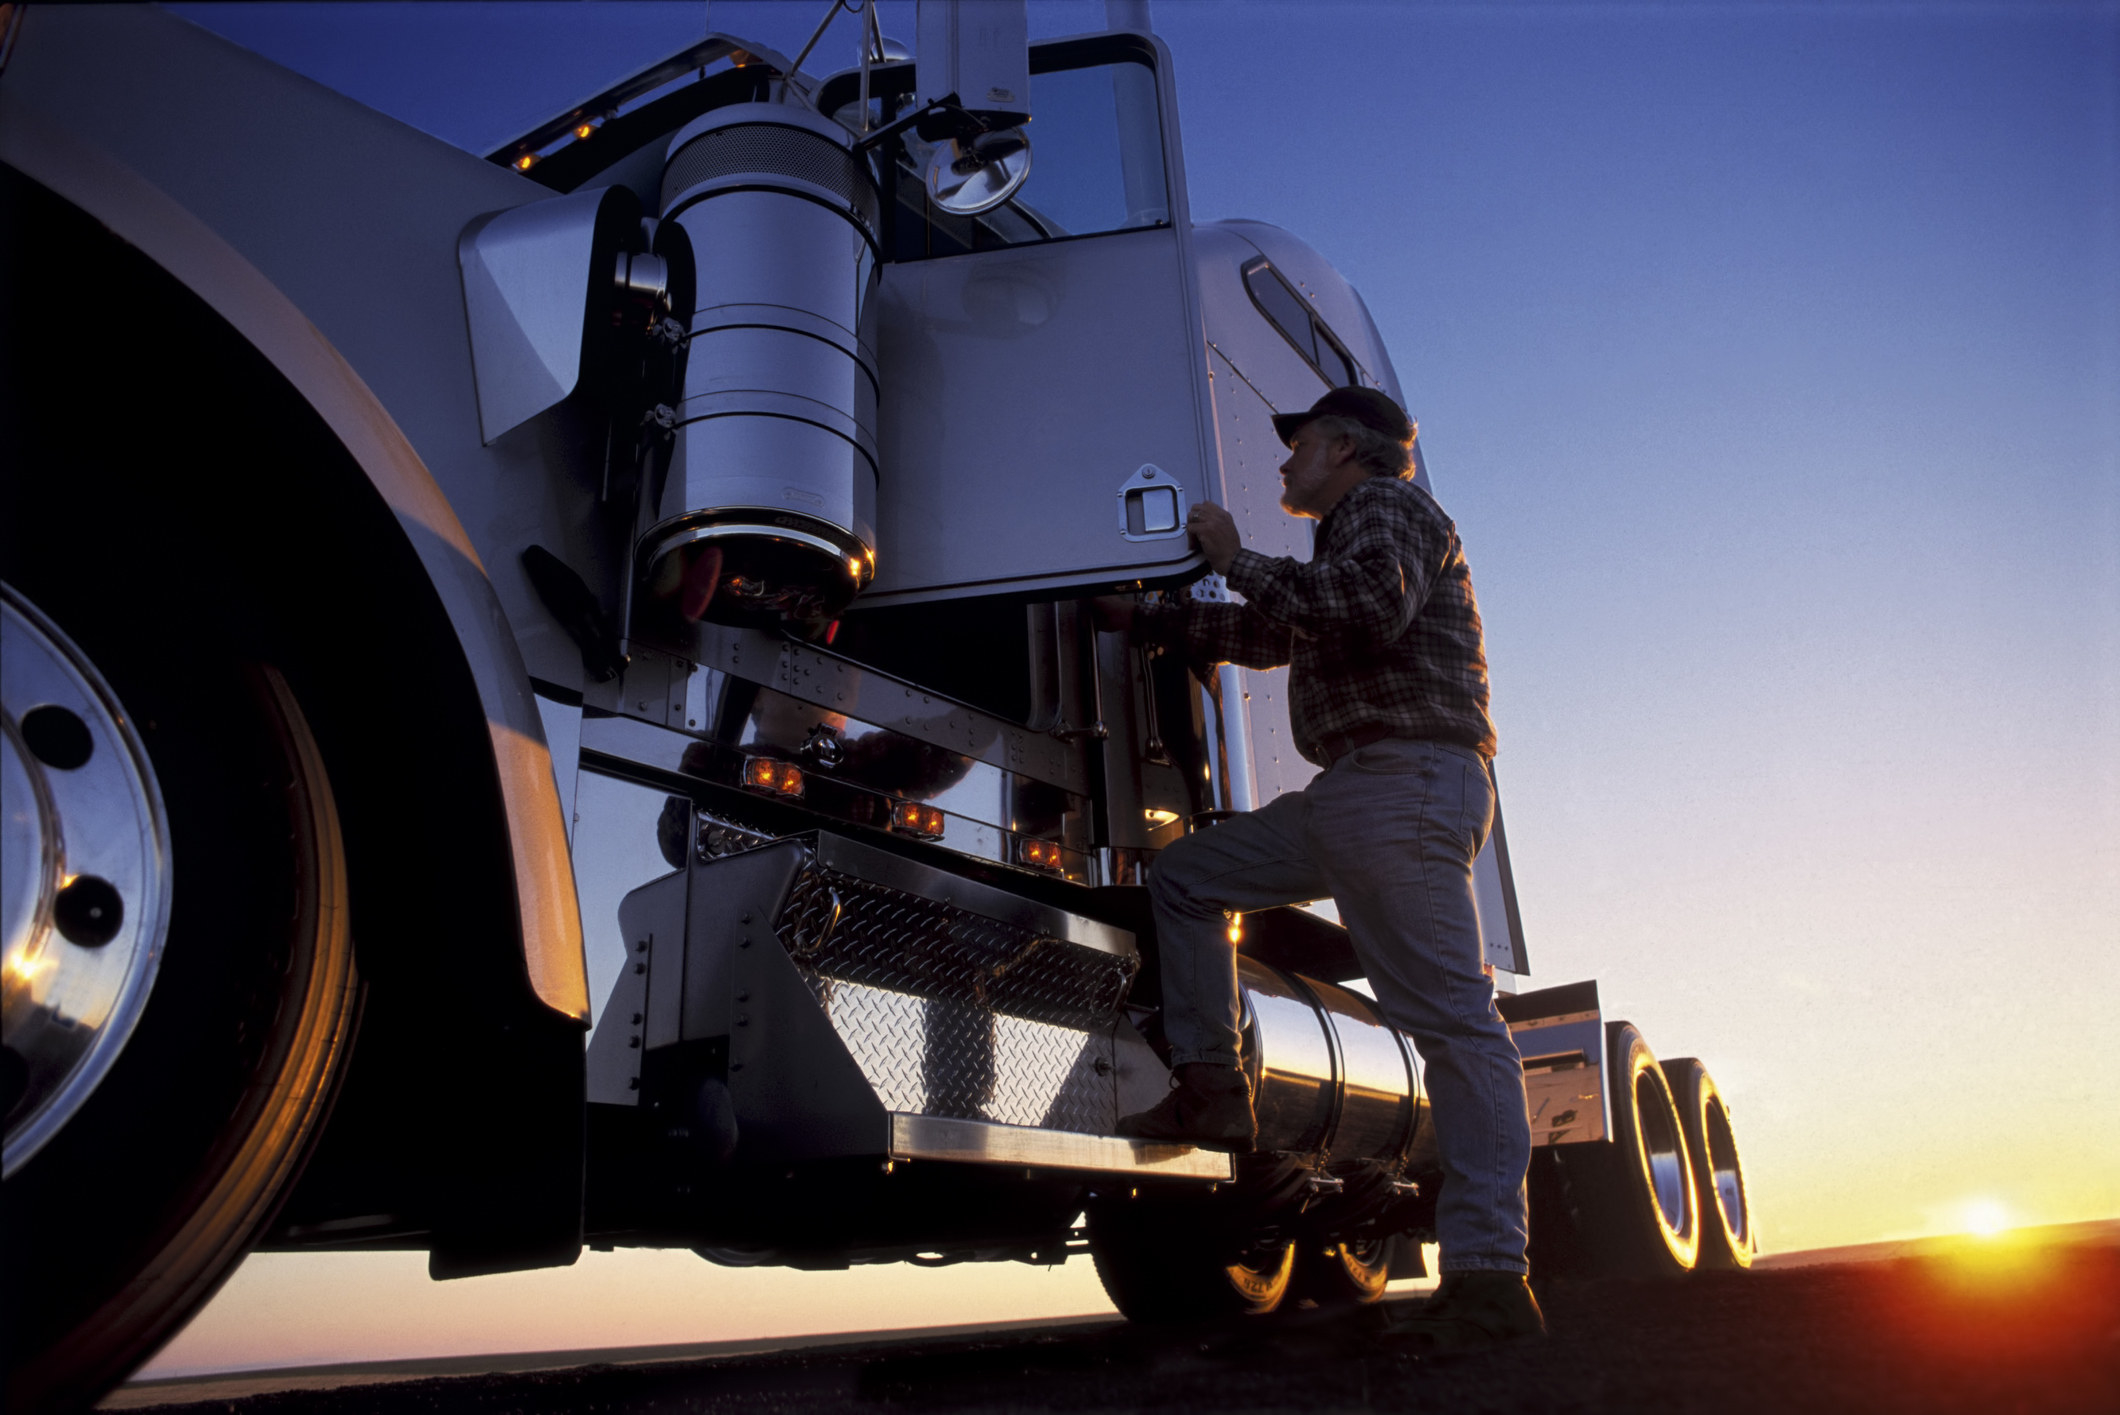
(1096, 158)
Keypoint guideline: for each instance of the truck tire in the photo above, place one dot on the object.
(1624, 1207)
(1727, 1238)
(1159, 1266)
(130, 1213)
(1348, 1274)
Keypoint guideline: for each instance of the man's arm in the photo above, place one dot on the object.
(1373, 586)
(1234, 633)
(1205, 633)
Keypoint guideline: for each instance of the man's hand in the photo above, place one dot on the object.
(1214, 530)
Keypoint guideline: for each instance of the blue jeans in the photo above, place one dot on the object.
(1390, 832)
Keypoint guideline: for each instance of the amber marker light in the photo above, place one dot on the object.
(1040, 855)
(912, 818)
(525, 162)
(773, 778)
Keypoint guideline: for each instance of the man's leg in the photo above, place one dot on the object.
(1247, 862)
(1396, 826)
(1250, 861)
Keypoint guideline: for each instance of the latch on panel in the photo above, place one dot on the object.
(1151, 505)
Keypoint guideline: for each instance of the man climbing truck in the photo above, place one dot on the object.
(1388, 696)
(698, 446)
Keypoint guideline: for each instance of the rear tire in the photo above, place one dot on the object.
(128, 1219)
(1350, 1274)
(1624, 1207)
(1728, 1239)
(1159, 1266)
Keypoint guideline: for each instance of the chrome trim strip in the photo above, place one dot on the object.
(929, 1137)
(818, 676)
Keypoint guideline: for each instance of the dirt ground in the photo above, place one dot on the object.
(1993, 1330)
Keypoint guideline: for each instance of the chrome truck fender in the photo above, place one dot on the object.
(93, 178)
(194, 176)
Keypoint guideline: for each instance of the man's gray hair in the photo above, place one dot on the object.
(1382, 454)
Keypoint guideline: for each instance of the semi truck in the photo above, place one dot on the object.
(551, 699)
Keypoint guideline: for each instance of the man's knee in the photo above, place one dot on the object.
(1172, 884)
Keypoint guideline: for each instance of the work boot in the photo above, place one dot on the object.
(1208, 1105)
(1470, 1309)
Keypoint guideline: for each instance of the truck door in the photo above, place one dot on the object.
(1036, 358)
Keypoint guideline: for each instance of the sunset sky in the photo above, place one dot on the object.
(1768, 358)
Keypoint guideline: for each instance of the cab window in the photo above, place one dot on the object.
(1096, 155)
(1290, 313)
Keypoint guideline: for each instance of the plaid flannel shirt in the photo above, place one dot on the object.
(1380, 624)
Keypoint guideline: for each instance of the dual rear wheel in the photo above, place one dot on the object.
(1161, 1265)
(1664, 1196)
(1727, 1237)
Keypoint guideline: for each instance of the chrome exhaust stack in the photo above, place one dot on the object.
(767, 509)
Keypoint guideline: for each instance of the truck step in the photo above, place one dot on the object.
(933, 1137)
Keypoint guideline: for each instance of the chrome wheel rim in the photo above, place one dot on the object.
(1727, 1175)
(84, 878)
(1663, 1155)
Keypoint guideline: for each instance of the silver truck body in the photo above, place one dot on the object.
(808, 926)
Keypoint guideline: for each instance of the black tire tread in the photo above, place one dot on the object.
(1158, 1268)
(1592, 1213)
(177, 1164)
(1720, 1249)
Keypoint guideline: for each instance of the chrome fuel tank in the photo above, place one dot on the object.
(1327, 1074)
(769, 504)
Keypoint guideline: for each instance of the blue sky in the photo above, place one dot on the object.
(1768, 357)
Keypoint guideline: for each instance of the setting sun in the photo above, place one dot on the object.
(1984, 1218)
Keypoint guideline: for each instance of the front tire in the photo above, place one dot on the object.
(125, 1220)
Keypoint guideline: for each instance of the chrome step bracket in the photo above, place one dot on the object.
(930, 1137)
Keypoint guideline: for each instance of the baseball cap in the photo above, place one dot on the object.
(1366, 406)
